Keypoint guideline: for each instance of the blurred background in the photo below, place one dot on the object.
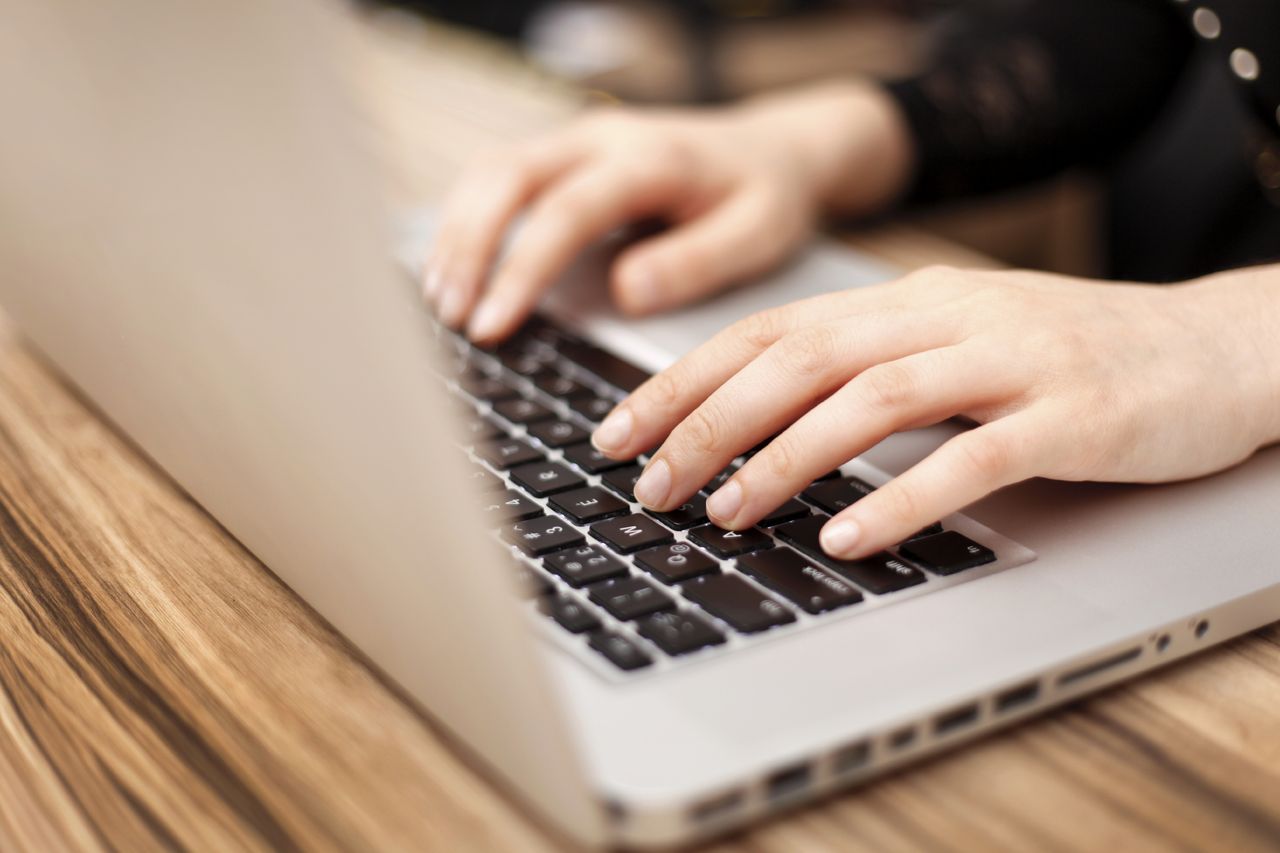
(712, 51)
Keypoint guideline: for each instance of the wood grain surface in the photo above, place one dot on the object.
(160, 689)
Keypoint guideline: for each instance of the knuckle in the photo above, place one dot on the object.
(662, 391)
(779, 459)
(987, 457)
(888, 386)
(702, 432)
(901, 504)
(810, 350)
(760, 330)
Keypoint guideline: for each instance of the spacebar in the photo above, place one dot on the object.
(622, 375)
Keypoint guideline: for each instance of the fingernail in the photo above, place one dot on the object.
(723, 506)
(612, 435)
(453, 305)
(654, 485)
(642, 290)
(487, 322)
(840, 537)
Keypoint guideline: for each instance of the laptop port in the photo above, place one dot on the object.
(955, 719)
(903, 738)
(1017, 697)
(788, 782)
(717, 808)
(1098, 667)
(851, 758)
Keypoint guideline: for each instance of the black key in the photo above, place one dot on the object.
(719, 480)
(558, 433)
(588, 504)
(486, 481)
(529, 583)
(730, 543)
(631, 533)
(737, 602)
(947, 553)
(511, 506)
(522, 411)
(559, 386)
(793, 576)
(621, 651)
(623, 480)
(539, 536)
(476, 429)
(584, 565)
(507, 452)
(630, 598)
(830, 475)
(676, 562)
(591, 407)
(586, 457)
(690, 514)
(789, 511)
(571, 615)
(606, 366)
(832, 496)
(484, 387)
(519, 360)
(874, 573)
(545, 478)
(679, 632)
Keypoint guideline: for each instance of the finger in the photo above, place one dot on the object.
(966, 468)
(922, 388)
(652, 410)
(771, 392)
(739, 238)
(584, 207)
(477, 214)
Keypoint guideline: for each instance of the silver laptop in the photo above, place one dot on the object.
(189, 229)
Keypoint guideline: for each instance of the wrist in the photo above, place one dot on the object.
(848, 139)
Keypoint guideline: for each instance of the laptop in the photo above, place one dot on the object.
(192, 234)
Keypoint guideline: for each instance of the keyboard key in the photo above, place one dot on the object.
(730, 598)
(832, 496)
(679, 632)
(932, 530)
(586, 457)
(520, 360)
(539, 536)
(719, 480)
(621, 651)
(947, 553)
(561, 387)
(571, 615)
(476, 429)
(631, 533)
(587, 504)
(545, 478)
(730, 543)
(485, 387)
(507, 452)
(630, 598)
(876, 573)
(691, 514)
(584, 565)
(676, 562)
(623, 480)
(591, 407)
(794, 577)
(606, 366)
(558, 433)
(511, 506)
(522, 411)
(789, 511)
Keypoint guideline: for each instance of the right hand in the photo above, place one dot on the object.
(742, 188)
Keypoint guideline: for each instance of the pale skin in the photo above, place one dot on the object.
(1064, 378)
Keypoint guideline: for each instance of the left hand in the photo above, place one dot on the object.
(1067, 379)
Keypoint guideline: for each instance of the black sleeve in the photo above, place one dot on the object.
(1021, 89)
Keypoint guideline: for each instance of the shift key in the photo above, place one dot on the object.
(791, 575)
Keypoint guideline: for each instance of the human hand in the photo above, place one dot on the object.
(1068, 379)
(741, 187)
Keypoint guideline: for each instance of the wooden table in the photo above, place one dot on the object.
(159, 688)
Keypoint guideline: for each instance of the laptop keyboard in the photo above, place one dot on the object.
(632, 590)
